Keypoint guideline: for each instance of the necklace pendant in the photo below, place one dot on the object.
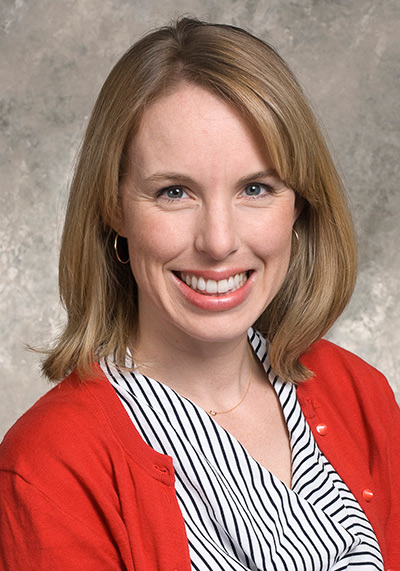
(212, 413)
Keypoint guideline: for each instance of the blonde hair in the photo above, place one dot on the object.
(99, 293)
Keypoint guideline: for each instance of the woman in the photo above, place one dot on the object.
(201, 422)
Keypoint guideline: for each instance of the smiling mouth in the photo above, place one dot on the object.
(214, 287)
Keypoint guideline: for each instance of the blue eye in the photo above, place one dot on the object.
(173, 192)
(255, 189)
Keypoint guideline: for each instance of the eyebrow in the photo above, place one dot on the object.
(174, 176)
(258, 175)
(163, 176)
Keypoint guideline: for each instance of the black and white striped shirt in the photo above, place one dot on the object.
(237, 514)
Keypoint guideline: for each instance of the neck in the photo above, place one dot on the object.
(214, 375)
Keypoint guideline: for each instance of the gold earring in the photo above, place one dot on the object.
(295, 248)
(116, 250)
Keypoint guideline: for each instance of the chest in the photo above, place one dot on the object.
(260, 427)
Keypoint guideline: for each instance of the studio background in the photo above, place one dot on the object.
(55, 55)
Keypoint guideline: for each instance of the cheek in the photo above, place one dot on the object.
(153, 242)
(273, 240)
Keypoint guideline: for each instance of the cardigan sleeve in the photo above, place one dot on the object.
(36, 533)
(57, 507)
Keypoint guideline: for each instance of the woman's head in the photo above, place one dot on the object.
(100, 294)
(207, 220)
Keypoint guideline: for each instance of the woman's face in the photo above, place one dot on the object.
(208, 222)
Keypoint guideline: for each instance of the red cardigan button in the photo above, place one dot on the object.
(367, 495)
(322, 429)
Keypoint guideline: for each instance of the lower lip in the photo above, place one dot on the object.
(220, 302)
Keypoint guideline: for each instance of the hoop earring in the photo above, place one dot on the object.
(295, 247)
(116, 250)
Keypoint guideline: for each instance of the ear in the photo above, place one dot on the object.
(298, 206)
(117, 222)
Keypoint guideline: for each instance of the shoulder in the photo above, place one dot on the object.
(327, 360)
(338, 356)
(65, 422)
(344, 381)
(79, 426)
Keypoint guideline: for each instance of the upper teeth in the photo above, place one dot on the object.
(215, 286)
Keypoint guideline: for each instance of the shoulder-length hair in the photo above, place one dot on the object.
(100, 294)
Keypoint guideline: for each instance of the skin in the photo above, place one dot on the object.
(200, 197)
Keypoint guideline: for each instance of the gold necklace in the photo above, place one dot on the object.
(214, 412)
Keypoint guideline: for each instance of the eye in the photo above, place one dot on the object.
(173, 193)
(256, 189)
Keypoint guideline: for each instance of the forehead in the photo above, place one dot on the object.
(189, 106)
(192, 121)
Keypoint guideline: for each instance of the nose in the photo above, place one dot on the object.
(217, 233)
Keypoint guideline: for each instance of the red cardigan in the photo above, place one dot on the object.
(79, 488)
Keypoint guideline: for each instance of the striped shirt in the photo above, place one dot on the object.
(239, 516)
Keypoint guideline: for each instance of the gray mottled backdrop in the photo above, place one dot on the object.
(55, 55)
